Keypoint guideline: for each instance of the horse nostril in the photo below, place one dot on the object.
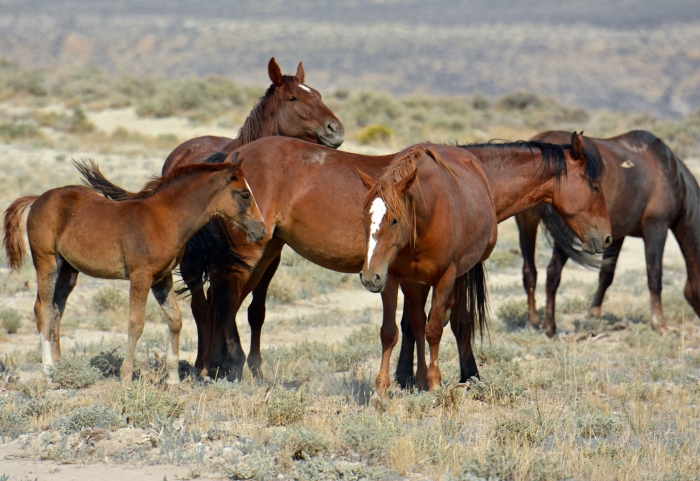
(264, 231)
(608, 241)
(331, 127)
(377, 279)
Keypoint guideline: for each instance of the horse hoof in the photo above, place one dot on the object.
(172, 379)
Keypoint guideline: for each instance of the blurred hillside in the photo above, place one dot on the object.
(641, 55)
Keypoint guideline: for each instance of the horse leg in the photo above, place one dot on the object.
(67, 278)
(442, 301)
(256, 316)
(47, 269)
(226, 354)
(605, 278)
(559, 258)
(165, 296)
(389, 334)
(527, 228)
(654, 235)
(413, 334)
(138, 294)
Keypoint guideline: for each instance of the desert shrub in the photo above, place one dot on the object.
(495, 353)
(368, 106)
(528, 428)
(479, 102)
(286, 407)
(519, 100)
(369, 433)
(502, 259)
(94, 416)
(78, 122)
(74, 372)
(108, 362)
(11, 320)
(259, 465)
(303, 443)
(110, 299)
(374, 133)
(13, 421)
(596, 424)
(513, 314)
(506, 463)
(10, 131)
(571, 305)
(34, 388)
(418, 404)
(500, 383)
(143, 404)
(321, 469)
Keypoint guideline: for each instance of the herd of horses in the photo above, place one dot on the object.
(426, 217)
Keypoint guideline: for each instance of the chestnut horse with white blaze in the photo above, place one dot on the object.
(311, 199)
(433, 234)
(72, 230)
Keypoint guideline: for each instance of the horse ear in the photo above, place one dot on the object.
(235, 170)
(407, 182)
(368, 181)
(577, 146)
(300, 73)
(273, 70)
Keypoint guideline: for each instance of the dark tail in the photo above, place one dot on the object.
(14, 241)
(471, 307)
(559, 233)
(210, 249)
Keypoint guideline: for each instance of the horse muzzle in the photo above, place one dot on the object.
(334, 134)
(373, 282)
(254, 231)
(597, 244)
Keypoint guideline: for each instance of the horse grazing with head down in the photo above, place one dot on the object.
(649, 191)
(311, 199)
(437, 233)
(72, 229)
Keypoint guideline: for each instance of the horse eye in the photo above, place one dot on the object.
(595, 188)
(292, 99)
(245, 195)
(394, 222)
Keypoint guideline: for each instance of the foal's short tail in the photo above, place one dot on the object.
(471, 306)
(14, 242)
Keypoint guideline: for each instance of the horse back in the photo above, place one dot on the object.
(194, 151)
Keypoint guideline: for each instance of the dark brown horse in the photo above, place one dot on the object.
(72, 229)
(288, 108)
(433, 234)
(309, 198)
(648, 191)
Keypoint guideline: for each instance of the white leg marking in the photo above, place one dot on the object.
(255, 201)
(305, 87)
(377, 211)
(46, 357)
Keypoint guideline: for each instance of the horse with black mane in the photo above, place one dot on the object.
(649, 191)
(311, 199)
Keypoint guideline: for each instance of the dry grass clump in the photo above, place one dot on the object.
(74, 372)
(286, 407)
(501, 384)
(369, 433)
(11, 320)
(143, 404)
(301, 442)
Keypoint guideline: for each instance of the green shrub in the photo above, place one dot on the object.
(320, 469)
(11, 320)
(17, 130)
(110, 299)
(286, 407)
(95, 416)
(369, 433)
(374, 133)
(303, 443)
(519, 100)
(74, 372)
(514, 314)
(143, 404)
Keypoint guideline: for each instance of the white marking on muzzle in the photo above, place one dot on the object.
(255, 201)
(377, 211)
(305, 87)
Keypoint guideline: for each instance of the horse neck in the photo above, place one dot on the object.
(261, 122)
(190, 202)
(686, 228)
(516, 179)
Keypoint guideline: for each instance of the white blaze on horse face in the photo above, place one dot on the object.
(377, 211)
(305, 87)
(254, 201)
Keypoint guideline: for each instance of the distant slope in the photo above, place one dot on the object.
(642, 55)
